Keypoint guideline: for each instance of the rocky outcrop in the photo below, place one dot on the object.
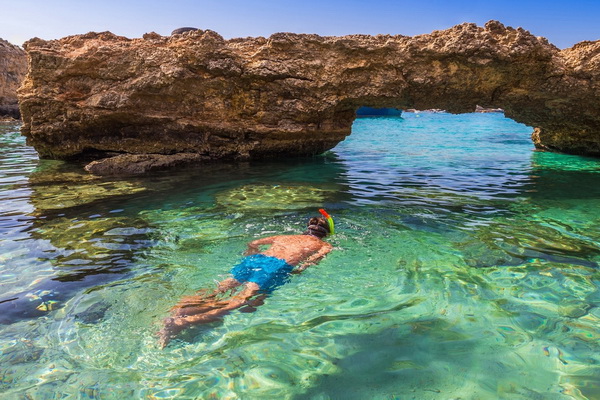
(293, 94)
(479, 109)
(13, 66)
(133, 164)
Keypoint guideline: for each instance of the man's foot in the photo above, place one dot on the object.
(172, 326)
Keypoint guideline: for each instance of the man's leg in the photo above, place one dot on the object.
(227, 284)
(176, 324)
(203, 301)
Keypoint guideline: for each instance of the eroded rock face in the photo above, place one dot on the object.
(13, 66)
(295, 94)
(134, 164)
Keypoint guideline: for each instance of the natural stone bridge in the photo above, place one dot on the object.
(195, 96)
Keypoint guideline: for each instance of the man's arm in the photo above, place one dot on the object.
(253, 245)
(313, 259)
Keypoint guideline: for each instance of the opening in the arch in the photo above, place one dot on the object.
(437, 155)
(377, 112)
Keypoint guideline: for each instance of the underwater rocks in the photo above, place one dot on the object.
(275, 197)
(134, 164)
(13, 67)
(60, 186)
(293, 94)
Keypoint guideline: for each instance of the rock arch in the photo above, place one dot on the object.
(295, 94)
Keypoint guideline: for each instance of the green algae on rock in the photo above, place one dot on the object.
(274, 197)
(59, 186)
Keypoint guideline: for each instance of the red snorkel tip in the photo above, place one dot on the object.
(329, 220)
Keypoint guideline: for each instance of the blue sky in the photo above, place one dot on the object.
(564, 23)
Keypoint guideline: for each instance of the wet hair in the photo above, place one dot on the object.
(317, 227)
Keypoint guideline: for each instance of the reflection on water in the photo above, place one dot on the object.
(466, 266)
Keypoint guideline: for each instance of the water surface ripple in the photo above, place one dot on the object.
(466, 265)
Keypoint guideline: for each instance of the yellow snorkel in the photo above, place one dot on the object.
(329, 220)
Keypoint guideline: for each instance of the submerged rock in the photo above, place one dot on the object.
(133, 164)
(55, 187)
(13, 67)
(274, 197)
(293, 94)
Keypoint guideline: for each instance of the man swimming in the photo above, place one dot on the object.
(260, 272)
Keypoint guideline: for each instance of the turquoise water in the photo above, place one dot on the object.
(466, 265)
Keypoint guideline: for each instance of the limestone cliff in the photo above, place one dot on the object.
(13, 66)
(196, 93)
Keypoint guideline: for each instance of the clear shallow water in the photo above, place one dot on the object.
(466, 266)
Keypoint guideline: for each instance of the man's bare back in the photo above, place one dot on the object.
(259, 272)
(294, 249)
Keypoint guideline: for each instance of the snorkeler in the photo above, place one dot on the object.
(260, 272)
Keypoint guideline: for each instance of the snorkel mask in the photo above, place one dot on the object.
(329, 220)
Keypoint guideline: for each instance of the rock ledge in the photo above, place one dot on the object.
(291, 94)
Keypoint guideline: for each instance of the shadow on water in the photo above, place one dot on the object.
(51, 294)
(562, 176)
(415, 360)
(556, 215)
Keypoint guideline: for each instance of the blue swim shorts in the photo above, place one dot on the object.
(267, 272)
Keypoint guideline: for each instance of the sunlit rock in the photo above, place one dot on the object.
(13, 66)
(295, 94)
